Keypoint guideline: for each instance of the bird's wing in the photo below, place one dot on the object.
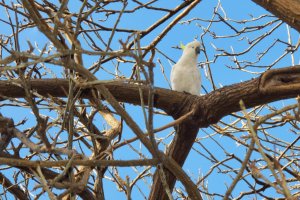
(174, 70)
(196, 76)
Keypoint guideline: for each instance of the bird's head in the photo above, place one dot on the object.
(192, 49)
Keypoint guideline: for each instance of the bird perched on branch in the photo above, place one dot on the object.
(185, 75)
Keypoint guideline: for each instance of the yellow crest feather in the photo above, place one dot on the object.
(182, 45)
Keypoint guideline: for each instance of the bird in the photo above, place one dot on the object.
(185, 75)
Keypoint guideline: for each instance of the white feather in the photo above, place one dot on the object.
(185, 75)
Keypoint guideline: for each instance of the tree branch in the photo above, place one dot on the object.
(286, 10)
(273, 85)
(13, 188)
(49, 174)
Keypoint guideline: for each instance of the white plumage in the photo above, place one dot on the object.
(185, 75)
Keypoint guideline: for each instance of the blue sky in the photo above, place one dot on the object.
(222, 74)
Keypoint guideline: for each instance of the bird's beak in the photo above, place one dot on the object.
(198, 50)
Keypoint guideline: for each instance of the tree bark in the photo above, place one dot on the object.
(286, 10)
(273, 85)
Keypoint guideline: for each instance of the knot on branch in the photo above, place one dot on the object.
(284, 80)
(183, 107)
(200, 113)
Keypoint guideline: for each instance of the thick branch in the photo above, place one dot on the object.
(179, 149)
(123, 92)
(286, 10)
(271, 86)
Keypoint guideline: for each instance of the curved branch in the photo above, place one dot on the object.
(208, 109)
(272, 86)
(286, 10)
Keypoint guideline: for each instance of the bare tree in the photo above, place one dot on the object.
(75, 79)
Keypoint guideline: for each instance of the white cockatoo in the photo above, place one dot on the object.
(185, 75)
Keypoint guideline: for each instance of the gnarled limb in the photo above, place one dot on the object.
(286, 10)
(274, 85)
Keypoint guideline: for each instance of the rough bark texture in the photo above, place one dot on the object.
(208, 109)
(271, 86)
(286, 10)
(179, 150)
